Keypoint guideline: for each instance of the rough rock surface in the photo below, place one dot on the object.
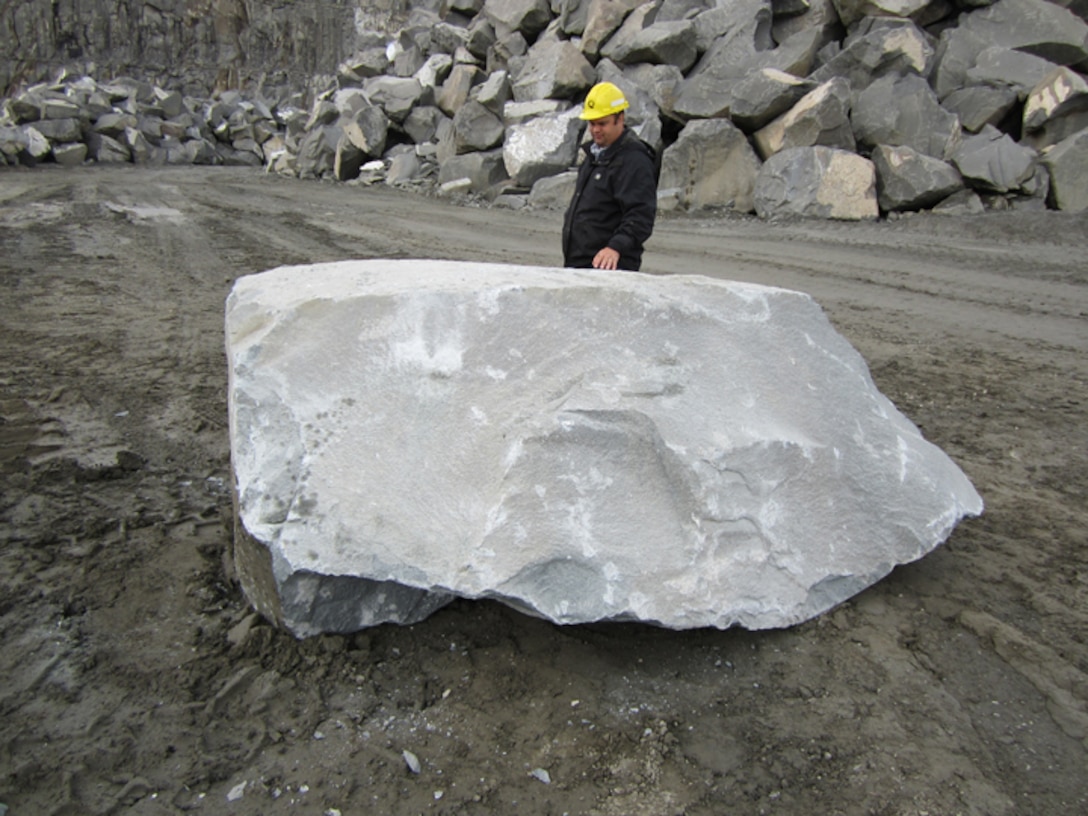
(816, 182)
(580, 445)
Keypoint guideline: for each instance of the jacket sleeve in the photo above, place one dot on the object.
(636, 192)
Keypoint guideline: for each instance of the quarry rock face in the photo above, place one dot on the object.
(581, 445)
(340, 91)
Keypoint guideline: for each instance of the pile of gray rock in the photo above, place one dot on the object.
(76, 119)
(822, 108)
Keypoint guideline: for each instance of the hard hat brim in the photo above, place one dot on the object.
(594, 116)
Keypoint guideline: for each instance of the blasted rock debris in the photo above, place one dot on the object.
(484, 95)
(580, 445)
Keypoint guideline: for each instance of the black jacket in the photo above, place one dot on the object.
(614, 204)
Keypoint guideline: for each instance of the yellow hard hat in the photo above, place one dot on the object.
(603, 100)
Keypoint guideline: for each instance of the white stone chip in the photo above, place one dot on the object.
(581, 445)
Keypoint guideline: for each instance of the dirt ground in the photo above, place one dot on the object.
(134, 679)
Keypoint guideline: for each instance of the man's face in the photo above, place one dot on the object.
(606, 130)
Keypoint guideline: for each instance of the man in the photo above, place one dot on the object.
(612, 211)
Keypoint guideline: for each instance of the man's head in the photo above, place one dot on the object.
(604, 107)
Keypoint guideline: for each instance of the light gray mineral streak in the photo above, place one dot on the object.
(581, 445)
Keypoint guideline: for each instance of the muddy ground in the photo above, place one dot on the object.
(133, 678)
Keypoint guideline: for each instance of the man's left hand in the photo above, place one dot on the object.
(607, 258)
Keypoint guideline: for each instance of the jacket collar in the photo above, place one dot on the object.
(610, 151)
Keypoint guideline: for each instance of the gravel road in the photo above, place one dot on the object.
(134, 679)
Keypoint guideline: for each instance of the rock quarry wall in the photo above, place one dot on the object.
(844, 109)
(195, 45)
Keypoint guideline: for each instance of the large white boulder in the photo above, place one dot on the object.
(581, 445)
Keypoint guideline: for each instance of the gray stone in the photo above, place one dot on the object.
(229, 155)
(114, 124)
(466, 7)
(603, 18)
(850, 11)
(904, 110)
(505, 51)
(1067, 162)
(171, 103)
(494, 92)
(346, 101)
(711, 165)
(791, 8)
(323, 112)
(446, 38)
(821, 117)
(481, 37)
(577, 444)
(909, 180)
(816, 182)
(36, 147)
(13, 143)
(455, 90)
(1058, 92)
(60, 130)
(708, 93)
(1010, 68)
(58, 107)
(554, 192)
(572, 15)
(764, 95)
(730, 55)
(421, 124)
(553, 69)
(457, 187)
(640, 39)
(978, 106)
(404, 168)
(483, 170)
(964, 202)
(140, 149)
(408, 55)
(106, 149)
(881, 48)
(23, 109)
(703, 96)
(348, 159)
(516, 112)
(954, 56)
(1032, 26)
(370, 62)
(728, 30)
(819, 15)
(434, 71)
(660, 82)
(1055, 109)
(990, 160)
(367, 129)
(201, 151)
(317, 151)
(1035, 27)
(396, 95)
(70, 155)
(527, 17)
(475, 127)
(542, 146)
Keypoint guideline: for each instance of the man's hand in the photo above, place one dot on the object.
(607, 258)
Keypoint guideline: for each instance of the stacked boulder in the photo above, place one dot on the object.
(74, 120)
(824, 108)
